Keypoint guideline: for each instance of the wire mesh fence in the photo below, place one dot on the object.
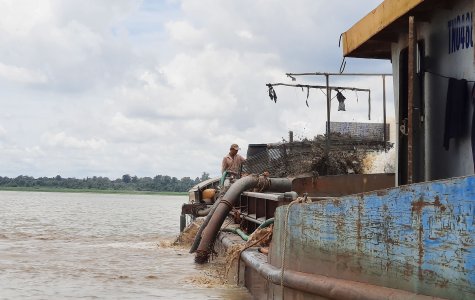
(281, 160)
(346, 155)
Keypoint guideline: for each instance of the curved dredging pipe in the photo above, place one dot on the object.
(205, 235)
(197, 240)
(227, 203)
(327, 287)
(182, 222)
(203, 212)
(200, 213)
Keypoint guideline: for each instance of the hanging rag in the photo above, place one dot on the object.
(455, 109)
(272, 94)
(341, 101)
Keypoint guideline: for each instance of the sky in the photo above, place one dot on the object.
(113, 87)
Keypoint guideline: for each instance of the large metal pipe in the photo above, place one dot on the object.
(182, 222)
(278, 185)
(197, 240)
(228, 202)
(327, 287)
(219, 215)
(203, 212)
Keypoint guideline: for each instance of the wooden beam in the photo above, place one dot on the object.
(387, 36)
(376, 21)
(374, 49)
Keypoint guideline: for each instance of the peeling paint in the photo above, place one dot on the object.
(418, 237)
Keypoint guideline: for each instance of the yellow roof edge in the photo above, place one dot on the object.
(374, 22)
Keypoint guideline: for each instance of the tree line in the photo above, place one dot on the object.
(159, 183)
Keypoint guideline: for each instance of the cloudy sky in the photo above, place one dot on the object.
(105, 88)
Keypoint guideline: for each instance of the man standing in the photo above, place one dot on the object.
(233, 161)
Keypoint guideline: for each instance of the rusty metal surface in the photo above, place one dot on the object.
(228, 202)
(419, 238)
(257, 285)
(340, 185)
(412, 48)
(191, 209)
(323, 286)
(255, 208)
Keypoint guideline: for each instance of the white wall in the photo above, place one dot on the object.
(457, 161)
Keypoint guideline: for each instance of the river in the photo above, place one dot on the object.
(99, 246)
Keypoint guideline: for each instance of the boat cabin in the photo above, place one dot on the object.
(430, 46)
(343, 238)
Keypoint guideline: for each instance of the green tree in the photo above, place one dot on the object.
(126, 178)
(204, 176)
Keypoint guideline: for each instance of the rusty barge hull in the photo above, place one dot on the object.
(416, 241)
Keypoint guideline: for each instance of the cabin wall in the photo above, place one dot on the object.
(446, 56)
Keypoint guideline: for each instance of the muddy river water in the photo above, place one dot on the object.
(99, 246)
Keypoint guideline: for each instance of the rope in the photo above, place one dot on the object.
(229, 222)
(227, 203)
(284, 247)
(262, 183)
(247, 247)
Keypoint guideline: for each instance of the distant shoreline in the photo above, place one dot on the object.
(94, 191)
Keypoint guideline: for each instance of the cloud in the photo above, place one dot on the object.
(184, 33)
(19, 18)
(3, 132)
(244, 34)
(74, 47)
(21, 75)
(164, 87)
(62, 140)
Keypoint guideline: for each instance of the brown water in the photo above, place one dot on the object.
(65, 245)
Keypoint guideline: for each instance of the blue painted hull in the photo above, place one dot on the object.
(419, 238)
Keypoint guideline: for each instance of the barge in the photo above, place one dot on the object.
(407, 235)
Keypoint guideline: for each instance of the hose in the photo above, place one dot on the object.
(223, 177)
(244, 235)
(237, 231)
(266, 223)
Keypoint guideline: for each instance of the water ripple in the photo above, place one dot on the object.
(74, 246)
